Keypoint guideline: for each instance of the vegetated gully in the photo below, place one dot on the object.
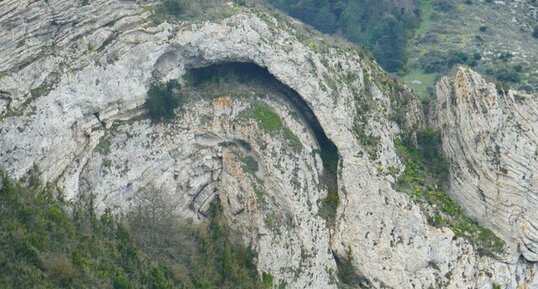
(249, 73)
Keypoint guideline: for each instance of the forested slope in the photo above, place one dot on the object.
(383, 26)
(424, 39)
(48, 243)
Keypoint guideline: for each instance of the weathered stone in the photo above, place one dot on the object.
(82, 130)
(489, 138)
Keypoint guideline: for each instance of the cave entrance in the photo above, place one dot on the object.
(227, 75)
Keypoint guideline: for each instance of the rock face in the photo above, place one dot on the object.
(72, 90)
(489, 135)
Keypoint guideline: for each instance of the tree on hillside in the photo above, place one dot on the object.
(383, 26)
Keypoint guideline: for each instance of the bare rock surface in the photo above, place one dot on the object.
(73, 82)
(490, 137)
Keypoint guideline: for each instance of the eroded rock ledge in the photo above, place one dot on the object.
(85, 86)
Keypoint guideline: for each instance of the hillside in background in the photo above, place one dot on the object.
(384, 27)
(496, 38)
(424, 39)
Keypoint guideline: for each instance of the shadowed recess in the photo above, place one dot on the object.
(249, 73)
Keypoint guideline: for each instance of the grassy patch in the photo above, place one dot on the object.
(426, 7)
(271, 122)
(423, 178)
(271, 221)
(107, 163)
(266, 118)
(267, 280)
(10, 113)
(261, 195)
(41, 90)
(420, 82)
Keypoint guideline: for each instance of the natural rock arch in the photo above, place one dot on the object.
(248, 71)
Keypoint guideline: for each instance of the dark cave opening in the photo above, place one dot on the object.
(249, 73)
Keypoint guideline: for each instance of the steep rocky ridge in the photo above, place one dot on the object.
(489, 135)
(73, 111)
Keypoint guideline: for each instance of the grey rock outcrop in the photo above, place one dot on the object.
(490, 138)
(73, 87)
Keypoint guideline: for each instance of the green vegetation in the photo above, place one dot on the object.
(271, 122)
(266, 118)
(173, 10)
(436, 61)
(250, 165)
(45, 245)
(422, 83)
(369, 142)
(167, 10)
(487, 41)
(348, 275)
(267, 280)
(103, 147)
(506, 75)
(261, 195)
(502, 87)
(42, 246)
(10, 113)
(40, 90)
(383, 26)
(162, 100)
(426, 7)
(423, 179)
(201, 255)
(172, 7)
(329, 205)
(293, 140)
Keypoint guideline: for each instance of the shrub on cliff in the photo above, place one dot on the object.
(169, 9)
(162, 100)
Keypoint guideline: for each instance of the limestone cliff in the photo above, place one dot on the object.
(73, 82)
(489, 135)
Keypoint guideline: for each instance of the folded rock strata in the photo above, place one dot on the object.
(74, 80)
